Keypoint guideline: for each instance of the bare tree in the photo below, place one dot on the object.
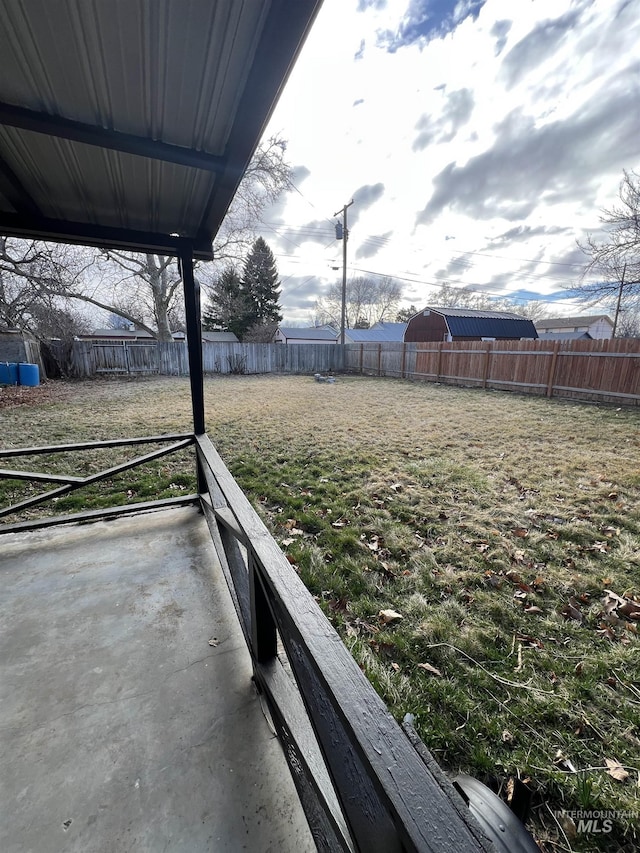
(369, 300)
(144, 289)
(33, 279)
(612, 273)
(448, 296)
(268, 175)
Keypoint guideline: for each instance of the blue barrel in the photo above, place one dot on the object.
(8, 373)
(28, 374)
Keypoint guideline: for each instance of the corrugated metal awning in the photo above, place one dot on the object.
(131, 122)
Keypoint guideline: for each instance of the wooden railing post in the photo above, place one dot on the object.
(361, 356)
(379, 359)
(404, 360)
(439, 361)
(264, 638)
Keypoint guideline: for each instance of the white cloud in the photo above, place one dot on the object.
(507, 131)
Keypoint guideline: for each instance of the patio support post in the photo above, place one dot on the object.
(194, 348)
(194, 337)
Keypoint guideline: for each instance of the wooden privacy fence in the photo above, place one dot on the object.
(604, 371)
(89, 358)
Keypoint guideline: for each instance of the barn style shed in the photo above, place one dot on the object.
(466, 324)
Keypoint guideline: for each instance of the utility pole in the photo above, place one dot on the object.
(345, 236)
(615, 319)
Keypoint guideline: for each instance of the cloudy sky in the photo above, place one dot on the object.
(478, 139)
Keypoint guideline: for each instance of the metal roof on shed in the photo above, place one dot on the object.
(490, 327)
(473, 312)
(131, 123)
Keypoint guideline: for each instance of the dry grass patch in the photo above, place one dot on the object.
(504, 530)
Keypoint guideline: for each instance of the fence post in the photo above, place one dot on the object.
(487, 357)
(379, 359)
(439, 361)
(404, 360)
(552, 368)
(361, 356)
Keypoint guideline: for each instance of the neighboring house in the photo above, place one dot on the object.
(210, 337)
(599, 326)
(317, 335)
(115, 335)
(465, 324)
(140, 335)
(564, 336)
(378, 333)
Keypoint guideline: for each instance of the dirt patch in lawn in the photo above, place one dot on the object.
(23, 395)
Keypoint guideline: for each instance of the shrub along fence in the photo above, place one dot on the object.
(605, 371)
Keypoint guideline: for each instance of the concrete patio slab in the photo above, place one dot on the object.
(129, 719)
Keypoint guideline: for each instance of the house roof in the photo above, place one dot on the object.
(219, 337)
(210, 337)
(564, 336)
(379, 332)
(311, 334)
(130, 124)
(571, 322)
(115, 334)
(470, 323)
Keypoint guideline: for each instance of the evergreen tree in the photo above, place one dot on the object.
(260, 286)
(229, 310)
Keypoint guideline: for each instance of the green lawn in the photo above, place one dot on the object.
(479, 553)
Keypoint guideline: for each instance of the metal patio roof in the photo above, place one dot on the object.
(130, 123)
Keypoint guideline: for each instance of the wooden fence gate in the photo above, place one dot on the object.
(125, 357)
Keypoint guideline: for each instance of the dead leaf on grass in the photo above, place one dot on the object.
(388, 617)
(631, 609)
(428, 668)
(529, 641)
(616, 770)
(533, 609)
(606, 631)
(507, 737)
(571, 610)
(513, 576)
(520, 532)
(563, 762)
